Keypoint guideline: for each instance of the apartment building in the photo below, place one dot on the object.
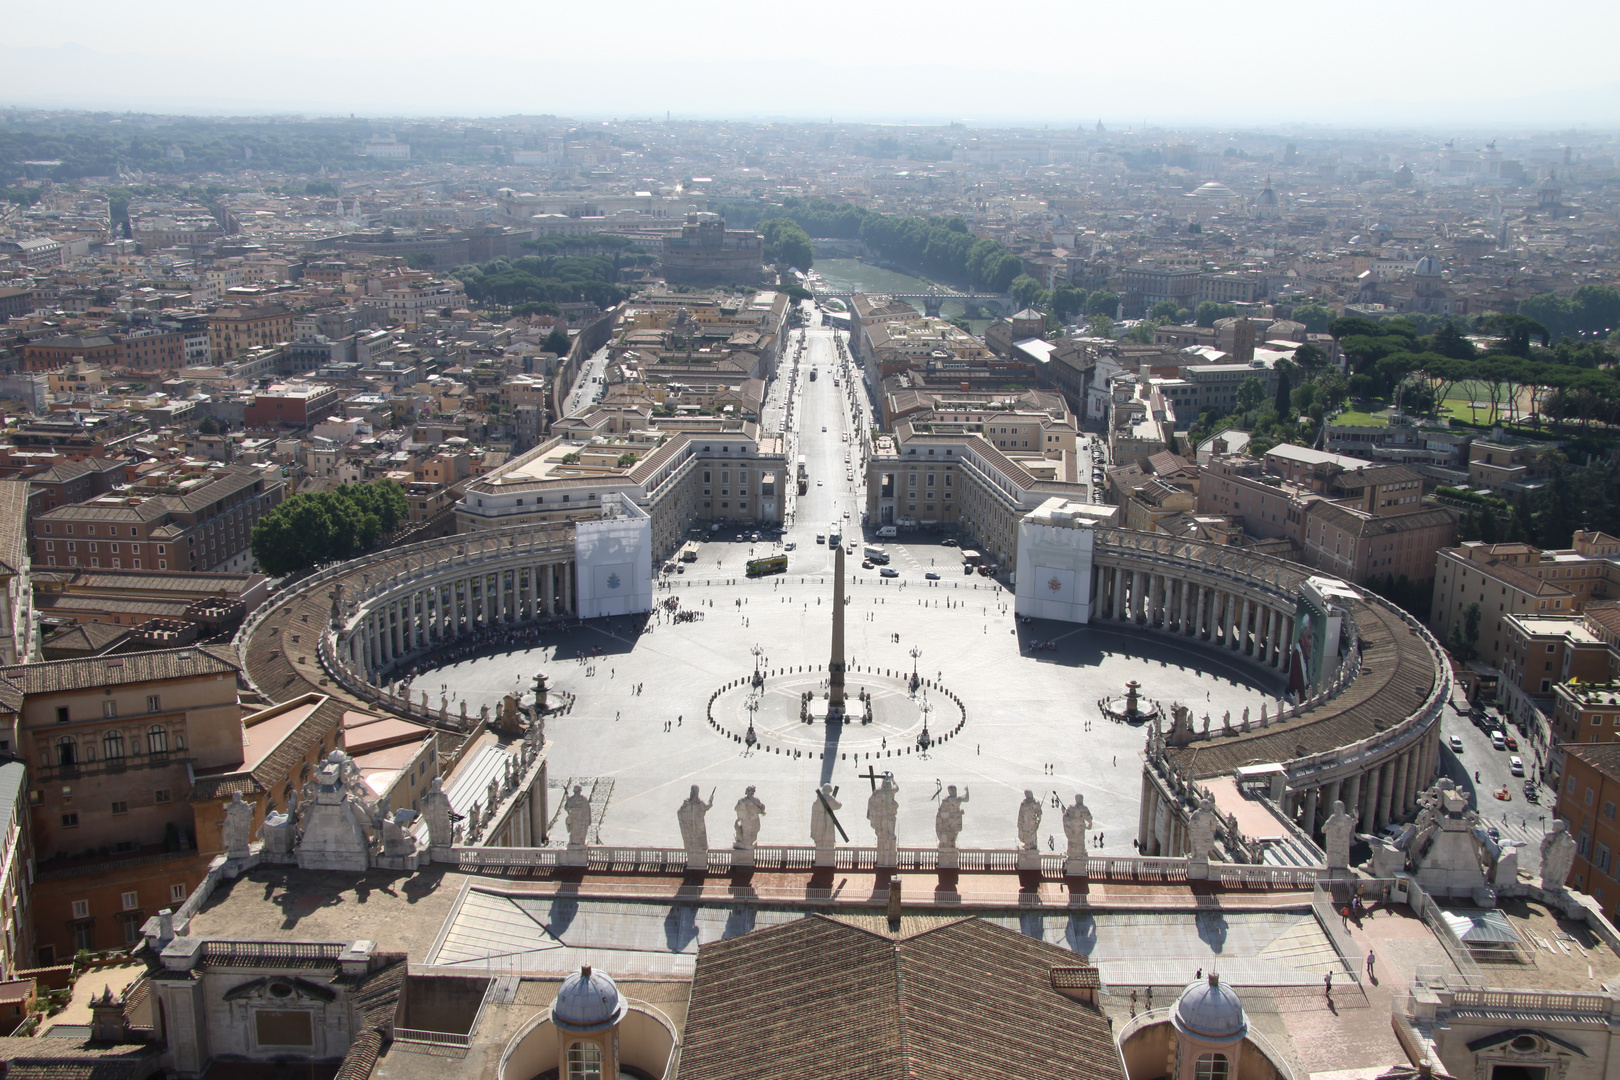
(1519, 579)
(679, 472)
(112, 743)
(179, 517)
(239, 329)
(1353, 519)
(47, 354)
(16, 870)
(1589, 799)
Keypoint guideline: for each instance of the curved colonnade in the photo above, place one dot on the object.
(1370, 737)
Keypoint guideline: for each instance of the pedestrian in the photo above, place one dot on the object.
(1327, 981)
(1344, 916)
(1370, 959)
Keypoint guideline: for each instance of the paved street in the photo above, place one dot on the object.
(1517, 818)
(1032, 720)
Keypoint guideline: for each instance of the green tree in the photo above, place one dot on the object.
(1284, 395)
(1314, 316)
(1103, 302)
(1165, 310)
(1448, 341)
(1310, 357)
(1206, 313)
(1068, 301)
(556, 342)
(1251, 392)
(1026, 291)
(786, 243)
(1101, 325)
(208, 426)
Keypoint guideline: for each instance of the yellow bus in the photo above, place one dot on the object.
(771, 564)
(689, 551)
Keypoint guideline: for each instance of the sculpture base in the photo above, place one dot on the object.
(825, 858)
(824, 712)
(947, 859)
(742, 857)
(1028, 859)
(573, 856)
(1076, 867)
(697, 862)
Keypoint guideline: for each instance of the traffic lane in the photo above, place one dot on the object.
(1515, 818)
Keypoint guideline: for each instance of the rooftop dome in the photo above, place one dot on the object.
(588, 1001)
(1214, 190)
(1210, 1012)
(1428, 266)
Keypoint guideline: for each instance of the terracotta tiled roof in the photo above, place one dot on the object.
(1397, 674)
(820, 997)
(96, 671)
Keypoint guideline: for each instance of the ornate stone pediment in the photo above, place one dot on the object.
(280, 991)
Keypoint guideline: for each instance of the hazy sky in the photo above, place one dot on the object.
(1380, 61)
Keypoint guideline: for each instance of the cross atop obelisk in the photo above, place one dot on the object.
(835, 668)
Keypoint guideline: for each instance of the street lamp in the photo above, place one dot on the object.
(915, 653)
(759, 652)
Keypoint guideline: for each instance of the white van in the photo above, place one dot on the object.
(1516, 766)
(1499, 740)
(888, 532)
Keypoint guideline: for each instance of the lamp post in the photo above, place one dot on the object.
(915, 653)
(758, 651)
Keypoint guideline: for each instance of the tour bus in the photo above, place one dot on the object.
(804, 476)
(771, 564)
(812, 374)
(689, 551)
(835, 533)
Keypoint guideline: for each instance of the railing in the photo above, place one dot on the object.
(432, 1038)
(1533, 1001)
(1140, 1021)
(273, 950)
(1322, 907)
(614, 859)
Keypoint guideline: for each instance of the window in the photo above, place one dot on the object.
(1602, 859)
(130, 900)
(177, 892)
(62, 714)
(70, 821)
(112, 745)
(157, 738)
(67, 751)
(153, 704)
(584, 1061)
(1210, 1067)
(109, 709)
(120, 807)
(81, 909)
(161, 795)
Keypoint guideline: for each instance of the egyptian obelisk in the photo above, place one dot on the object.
(835, 668)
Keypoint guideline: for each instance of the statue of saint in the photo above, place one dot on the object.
(1337, 829)
(436, 809)
(1201, 830)
(823, 832)
(694, 823)
(1077, 827)
(1029, 822)
(577, 816)
(1557, 856)
(948, 818)
(882, 810)
(749, 810)
(238, 826)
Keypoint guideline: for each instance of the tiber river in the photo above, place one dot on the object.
(852, 275)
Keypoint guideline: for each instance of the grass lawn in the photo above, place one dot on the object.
(1358, 419)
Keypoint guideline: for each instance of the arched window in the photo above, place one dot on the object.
(179, 739)
(157, 739)
(585, 1061)
(67, 751)
(1210, 1067)
(112, 745)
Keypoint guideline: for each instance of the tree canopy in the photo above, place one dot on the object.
(307, 530)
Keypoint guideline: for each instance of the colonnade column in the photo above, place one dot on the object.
(1243, 627)
(1310, 812)
(1397, 801)
(1352, 796)
(1386, 791)
(1334, 789)
(1197, 628)
(1369, 809)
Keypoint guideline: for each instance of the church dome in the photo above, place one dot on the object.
(1214, 190)
(588, 1001)
(1428, 266)
(1209, 1011)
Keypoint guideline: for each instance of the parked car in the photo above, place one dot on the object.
(889, 571)
(866, 564)
(1456, 744)
(948, 542)
(931, 576)
(1531, 792)
(1499, 740)
(1512, 743)
(1516, 765)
